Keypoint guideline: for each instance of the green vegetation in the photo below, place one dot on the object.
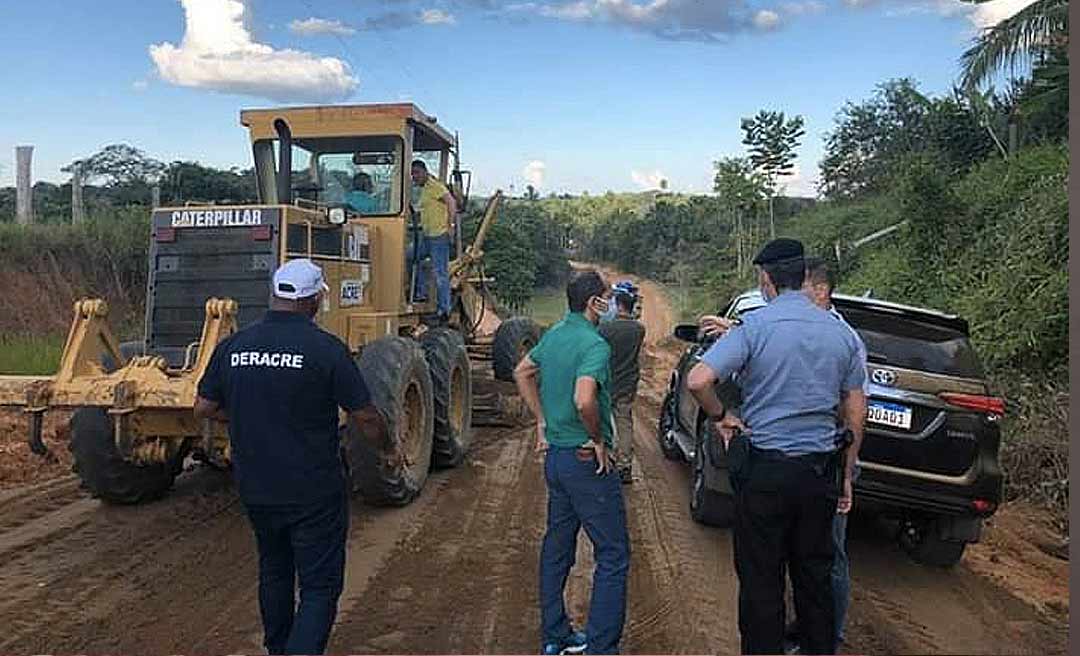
(525, 249)
(30, 355)
(547, 306)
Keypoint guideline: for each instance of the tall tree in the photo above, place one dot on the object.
(1021, 39)
(741, 191)
(118, 164)
(772, 139)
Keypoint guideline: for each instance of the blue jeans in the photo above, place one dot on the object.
(841, 580)
(438, 249)
(841, 576)
(578, 497)
(305, 541)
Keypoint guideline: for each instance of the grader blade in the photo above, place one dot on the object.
(143, 396)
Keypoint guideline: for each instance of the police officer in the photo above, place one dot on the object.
(279, 384)
(798, 367)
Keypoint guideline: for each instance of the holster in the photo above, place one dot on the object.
(738, 460)
(843, 441)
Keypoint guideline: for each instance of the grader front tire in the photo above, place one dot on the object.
(104, 471)
(451, 376)
(513, 340)
(400, 384)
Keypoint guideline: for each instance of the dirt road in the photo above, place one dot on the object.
(456, 571)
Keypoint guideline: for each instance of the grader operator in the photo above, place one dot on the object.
(333, 186)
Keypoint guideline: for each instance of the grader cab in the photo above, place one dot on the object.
(333, 186)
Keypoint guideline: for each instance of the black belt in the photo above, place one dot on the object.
(776, 455)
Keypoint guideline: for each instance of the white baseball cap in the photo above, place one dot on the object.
(299, 279)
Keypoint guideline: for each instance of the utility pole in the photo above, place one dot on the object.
(24, 202)
(78, 212)
(155, 195)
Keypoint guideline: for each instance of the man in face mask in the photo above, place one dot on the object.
(565, 381)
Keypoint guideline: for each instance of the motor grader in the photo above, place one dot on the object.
(333, 186)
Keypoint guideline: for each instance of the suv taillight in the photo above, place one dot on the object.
(991, 405)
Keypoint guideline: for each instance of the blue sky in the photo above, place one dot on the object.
(572, 95)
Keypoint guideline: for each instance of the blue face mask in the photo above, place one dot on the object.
(611, 313)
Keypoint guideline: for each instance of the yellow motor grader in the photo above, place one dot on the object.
(333, 186)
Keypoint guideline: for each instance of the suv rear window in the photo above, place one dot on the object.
(912, 344)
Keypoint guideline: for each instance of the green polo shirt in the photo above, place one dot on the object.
(572, 349)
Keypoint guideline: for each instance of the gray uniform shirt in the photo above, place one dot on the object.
(793, 361)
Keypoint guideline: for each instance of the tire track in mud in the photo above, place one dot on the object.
(117, 570)
(455, 571)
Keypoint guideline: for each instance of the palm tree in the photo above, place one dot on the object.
(1039, 30)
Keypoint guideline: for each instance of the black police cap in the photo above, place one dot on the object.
(779, 249)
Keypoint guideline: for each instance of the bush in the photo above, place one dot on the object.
(46, 268)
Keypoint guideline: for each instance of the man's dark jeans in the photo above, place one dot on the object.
(578, 497)
(784, 512)
(305, 541)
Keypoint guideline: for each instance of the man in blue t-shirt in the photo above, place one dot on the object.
(362, 198)
(279, 383)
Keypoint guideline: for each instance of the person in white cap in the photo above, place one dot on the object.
(279, 384)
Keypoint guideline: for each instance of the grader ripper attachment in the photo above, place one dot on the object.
(333, 186)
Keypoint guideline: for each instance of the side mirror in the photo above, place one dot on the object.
(687, 332)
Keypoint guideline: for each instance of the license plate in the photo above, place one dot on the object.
(889, 414)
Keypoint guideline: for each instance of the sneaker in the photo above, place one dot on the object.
(575, 643)
(791, 640)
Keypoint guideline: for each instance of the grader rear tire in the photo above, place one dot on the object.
(451, 376)
(514, 338)
(400, 384)
(105, 473)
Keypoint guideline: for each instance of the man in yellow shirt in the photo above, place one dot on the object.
(437, 211)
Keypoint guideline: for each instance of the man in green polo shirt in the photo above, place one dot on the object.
(565, 381)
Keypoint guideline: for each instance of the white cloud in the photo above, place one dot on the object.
(436, 17)
(681, 20)
(140, 85)
(766, 19)
(800, 8)
(797, 184)
(534, 173)
(990, 14)
(649, 180)
(573, 11)
(981, 15)
(319, 26)
(218, 53)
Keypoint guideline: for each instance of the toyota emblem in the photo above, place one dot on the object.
(883, 377)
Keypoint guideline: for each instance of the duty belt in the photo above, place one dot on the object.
(820, 459)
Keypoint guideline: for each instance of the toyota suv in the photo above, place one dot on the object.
(929, 458)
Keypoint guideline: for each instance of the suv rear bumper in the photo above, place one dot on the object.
(891, 491)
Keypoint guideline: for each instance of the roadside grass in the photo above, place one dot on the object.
(30, 355)
(546, 306)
